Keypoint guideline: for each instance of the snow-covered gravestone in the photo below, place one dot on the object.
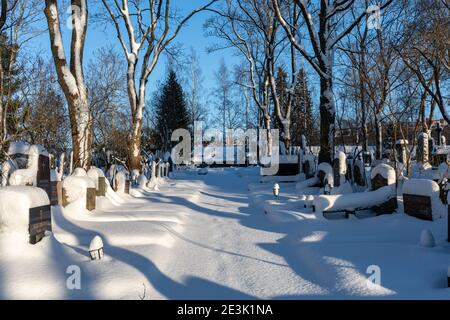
(421, 199)
(308, 165)
(339, 168)
(358, 173)
(422, 155)
(97, 175)
(79, 189)
(384, 175)
(25, 211)
(325, 175)
(400, 148)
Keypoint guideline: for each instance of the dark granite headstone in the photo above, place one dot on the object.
(418, 206)
(40, 220)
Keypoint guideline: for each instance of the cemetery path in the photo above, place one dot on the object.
(227, 246)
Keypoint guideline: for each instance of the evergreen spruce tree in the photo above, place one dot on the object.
(171, 112)
(302, 113)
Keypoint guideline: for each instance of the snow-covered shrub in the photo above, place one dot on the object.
(427, 239)
(15, 202)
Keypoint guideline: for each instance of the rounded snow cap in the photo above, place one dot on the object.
(79, 172)
(427, 239)
(96, 243)
(386, 172)
(276, 186)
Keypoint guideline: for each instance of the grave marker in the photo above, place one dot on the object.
(40, 220)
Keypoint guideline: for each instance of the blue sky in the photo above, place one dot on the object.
(191, 36)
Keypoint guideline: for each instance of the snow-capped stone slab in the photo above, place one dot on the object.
(421, 199)
(386, 172)
(15, 204)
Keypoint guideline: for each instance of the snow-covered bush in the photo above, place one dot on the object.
(15, 202)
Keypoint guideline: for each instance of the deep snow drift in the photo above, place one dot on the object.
(224, 235)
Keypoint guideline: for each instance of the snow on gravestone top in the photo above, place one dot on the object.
(15, 204)
(385, 171)
(79, 172)
(94, 173)
(75, 188)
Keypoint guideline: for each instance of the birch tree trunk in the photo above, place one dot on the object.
(71, 77)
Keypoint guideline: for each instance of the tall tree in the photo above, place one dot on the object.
(331, 25)
(71, 76)
(171, 111)
(144, 33)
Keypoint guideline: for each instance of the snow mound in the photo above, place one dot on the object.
(142, 181)
(427, 239)
(342, 162)
(94, 173)
(15, 202)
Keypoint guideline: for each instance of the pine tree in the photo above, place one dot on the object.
(171, 112)
(302, 117)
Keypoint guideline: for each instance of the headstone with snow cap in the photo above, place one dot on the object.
(358, 173)
(325, 174)
(421, 199)
(383, 175)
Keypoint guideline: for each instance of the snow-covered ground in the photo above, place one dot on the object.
(223, 235)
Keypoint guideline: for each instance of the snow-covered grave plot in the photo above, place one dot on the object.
(206, 236)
